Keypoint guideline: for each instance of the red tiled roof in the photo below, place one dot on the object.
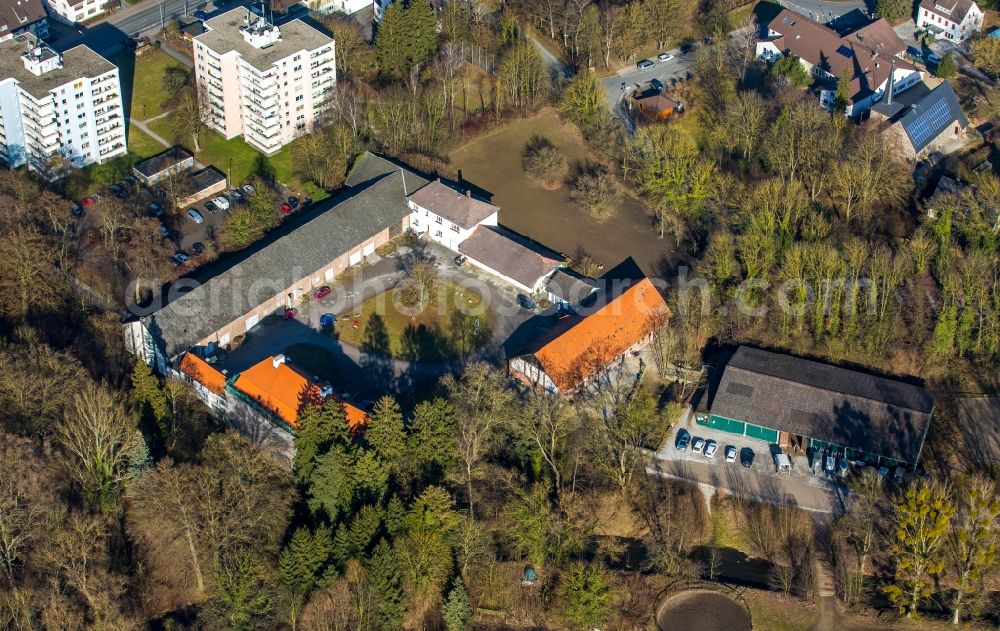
(204, 373)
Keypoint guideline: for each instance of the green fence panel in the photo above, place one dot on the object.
(761, 433)
(724, 424)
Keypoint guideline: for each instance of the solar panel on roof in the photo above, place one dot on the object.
(929, 122)
(740, 389)
(845, 51)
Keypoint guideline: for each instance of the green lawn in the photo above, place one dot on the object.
(148, 93)
(223, 154)
(142, 144)
(439, 331)
(775, 612)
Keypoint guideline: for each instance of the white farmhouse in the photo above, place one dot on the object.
(448, 216)
(956, 20)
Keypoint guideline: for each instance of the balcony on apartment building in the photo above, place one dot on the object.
(106, 98)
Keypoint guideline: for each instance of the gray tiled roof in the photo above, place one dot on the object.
(807, 398)
(509, 254)
(78, 62)
(570, 286)
(374, 203)
(930, 116)
(17, 14)
(459, 208)
(224, 35)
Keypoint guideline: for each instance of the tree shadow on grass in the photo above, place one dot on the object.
(376, 358)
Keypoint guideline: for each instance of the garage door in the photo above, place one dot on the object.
(369, 249)
(251, 322)
(724, 424)
(761, 433)
(355, 258)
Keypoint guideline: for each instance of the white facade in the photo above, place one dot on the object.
(81, 120)
(269, 98)
(441, 230)
(948, 22)
(77, 12)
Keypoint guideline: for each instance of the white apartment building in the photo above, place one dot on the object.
(53, 105)
(74, 11)
(956, 20)
(350, 7)
(267, 83)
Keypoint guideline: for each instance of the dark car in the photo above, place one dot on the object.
(77, 210)
(643, 64)
(321, 293)
(131, 181)
(746, 457)
(525, 302)
(293, 201)
(155, 210)
(683, 440)
(235, 195)
(198, 247)
(200, 15)
(307, 202)
(657, 85)
(117, 191)
(290, 313)
(286, 209)
(459, 260)
(211, 207)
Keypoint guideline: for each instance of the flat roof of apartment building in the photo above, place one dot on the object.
(225, 35)
(77, 63)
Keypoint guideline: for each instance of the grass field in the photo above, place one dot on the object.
(148, 93)
(221, 153)
(774, 612)
(440, 331)
(141, 144)
(493, 161)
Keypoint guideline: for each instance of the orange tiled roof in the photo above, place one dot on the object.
(591, 342)
(203, 372)
(285, 391)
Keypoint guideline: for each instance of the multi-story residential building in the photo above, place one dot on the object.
(22, 16)
(74, 11)
(872, 55)
(956, 20)
(267, 83)
(58, 110)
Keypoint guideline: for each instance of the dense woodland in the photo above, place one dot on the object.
(124, 505)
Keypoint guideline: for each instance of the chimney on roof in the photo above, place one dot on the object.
(439, 179)
(277, 360)
(888, 89)
(468, 192)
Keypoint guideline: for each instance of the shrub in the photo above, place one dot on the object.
(542, 160)
(594, 189)
(947, 68)
(791, 69)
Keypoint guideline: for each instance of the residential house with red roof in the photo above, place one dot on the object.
(581, 348)
(872, 54)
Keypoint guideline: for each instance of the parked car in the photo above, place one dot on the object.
(643, 64)
(831, 463)
(698, 445)
(664, 57)
(77, 210)
(882, 472)
(307, 202)
(327, 319)
(730, 453)
(293, 201)
(525, 302)
(155, 210)
(248, 189)
(235, 195)
(657, 85)
(200, 15)
(290, 313)
(746, 457)
(195, 216)
(89, 201)
(321, 293)
(181, 258)
(164, 231)
(221, 202)
(286, 209)
(117, 191)
(683, 440)
(933, 59)
(198, 247)
(211, 207)
(131, 180)
(459, 260)
(710, 448)
(843, 467)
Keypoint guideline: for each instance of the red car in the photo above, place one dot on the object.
(89, 201)
(322, 292)
(286, 209)
(290, 313)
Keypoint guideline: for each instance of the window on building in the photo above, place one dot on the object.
(437, 220)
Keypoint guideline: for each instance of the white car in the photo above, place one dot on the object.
(195, 216)
(710, 448)
(730, 453)
(664, 56)
(221, 202)
(698, 445)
